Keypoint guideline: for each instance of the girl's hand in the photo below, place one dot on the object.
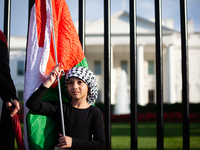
(64, 142)
(55, 73)
(53, 76)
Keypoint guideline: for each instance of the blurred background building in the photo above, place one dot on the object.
(120, 58)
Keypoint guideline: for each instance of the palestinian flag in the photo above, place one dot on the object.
(40, 60)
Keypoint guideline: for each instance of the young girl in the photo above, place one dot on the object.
(83, 122)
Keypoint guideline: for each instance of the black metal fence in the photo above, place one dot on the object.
(133, 68)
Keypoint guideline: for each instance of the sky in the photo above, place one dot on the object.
(94, 10)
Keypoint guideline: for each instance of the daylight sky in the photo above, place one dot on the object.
(94, 10)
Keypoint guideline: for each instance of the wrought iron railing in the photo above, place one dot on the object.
(133, 67)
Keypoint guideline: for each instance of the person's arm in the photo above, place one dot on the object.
(34, 102)
(98, 142)
(7, 88)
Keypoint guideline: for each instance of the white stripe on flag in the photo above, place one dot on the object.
(37, 58)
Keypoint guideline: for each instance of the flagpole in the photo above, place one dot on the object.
(60, 97)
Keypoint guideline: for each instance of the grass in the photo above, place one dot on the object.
(120, 139)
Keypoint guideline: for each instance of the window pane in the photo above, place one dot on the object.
(150, 67)
(20, 95)
(124, 66)
(151, 96)
(20, 68)
(97, 67)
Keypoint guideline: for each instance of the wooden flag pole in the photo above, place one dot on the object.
(60, 97)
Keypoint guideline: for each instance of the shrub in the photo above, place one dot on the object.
(152, 117)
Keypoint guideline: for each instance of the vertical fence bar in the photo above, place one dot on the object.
(82, 23)
(185, 75)
(7, 12)
(133, 73)
(107, 73)
(159, 74)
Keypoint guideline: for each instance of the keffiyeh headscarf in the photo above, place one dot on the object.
(88, 77)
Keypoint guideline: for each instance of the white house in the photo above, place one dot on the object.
(120, 58)
(146, 57)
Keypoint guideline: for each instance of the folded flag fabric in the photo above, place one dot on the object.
(40, 60)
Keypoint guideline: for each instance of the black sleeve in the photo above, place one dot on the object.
(7, 88)
(45, 108)
(98, 142)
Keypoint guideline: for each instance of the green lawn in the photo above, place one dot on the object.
(120, 139)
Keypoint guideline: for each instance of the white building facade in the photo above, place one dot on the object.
(120, 59)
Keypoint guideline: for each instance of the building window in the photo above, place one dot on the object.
(124, 66)
(20, 95)
(97, 67)
(99, 96)
(20, 68)
(150, 67)
(151, 96)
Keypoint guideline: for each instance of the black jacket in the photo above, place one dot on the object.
(7, 91)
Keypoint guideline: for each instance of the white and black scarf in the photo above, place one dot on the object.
(88, 77)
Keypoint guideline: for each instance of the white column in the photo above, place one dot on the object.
(112, 77)
(140, 75)
(171, 74)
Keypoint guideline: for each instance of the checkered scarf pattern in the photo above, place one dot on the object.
(88, 77)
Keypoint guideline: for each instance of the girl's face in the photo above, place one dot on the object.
(77, 88)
